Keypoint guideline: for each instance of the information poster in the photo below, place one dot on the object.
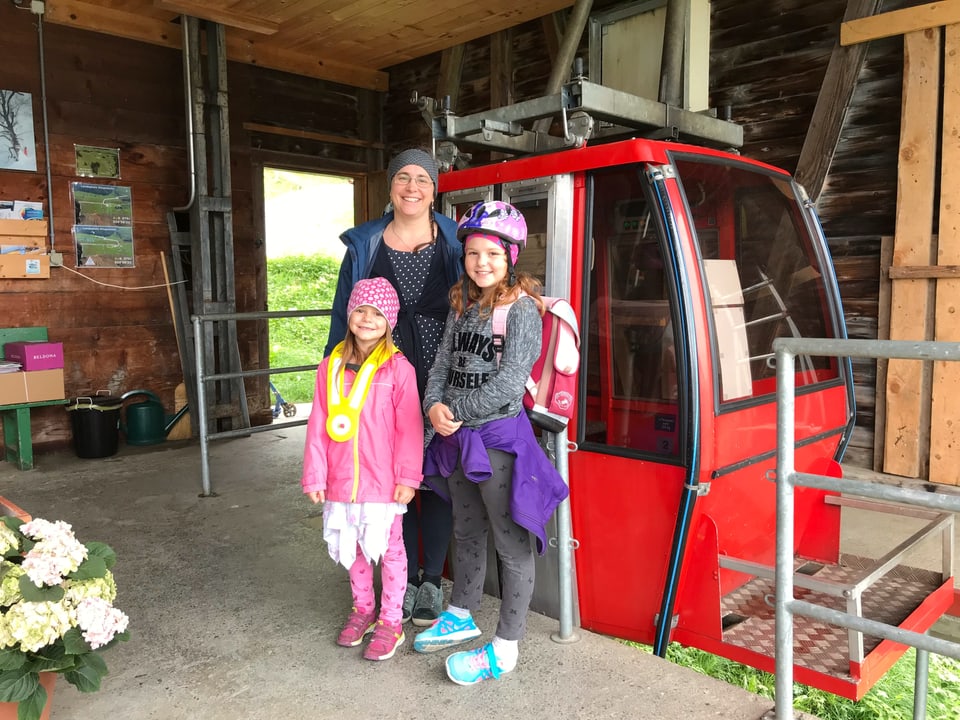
(97, 161)
(103, 229)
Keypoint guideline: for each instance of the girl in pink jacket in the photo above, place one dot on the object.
(363, 459)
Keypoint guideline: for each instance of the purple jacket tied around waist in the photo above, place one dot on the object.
(537, 486)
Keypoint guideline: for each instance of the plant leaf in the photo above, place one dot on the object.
(11, 522)
(32, 593)
(74, 644)
(32, 707)
(92, 567)
(103, 551)
(11, 659)
(89, 673)
(17, 685)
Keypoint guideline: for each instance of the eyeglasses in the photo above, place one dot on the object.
(422, 181)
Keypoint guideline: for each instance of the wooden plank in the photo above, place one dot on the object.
(928, 272)
(883, 333)
(906, 386)
(322, 137)
(900, 22)
(836, 91)
(248, 50)
(230, 18)
(944, 412)
(160, 31)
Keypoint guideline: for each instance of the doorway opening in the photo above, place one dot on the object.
(304, 216)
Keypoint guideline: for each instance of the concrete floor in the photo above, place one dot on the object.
(235, 605)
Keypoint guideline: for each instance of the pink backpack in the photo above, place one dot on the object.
(552, 385)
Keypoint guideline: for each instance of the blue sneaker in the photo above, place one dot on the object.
(473, 666)
(447, 631)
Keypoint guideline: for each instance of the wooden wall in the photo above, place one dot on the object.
(115, 324)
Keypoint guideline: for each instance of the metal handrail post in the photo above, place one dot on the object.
(202, 410)
(565, 547)
(784, 535)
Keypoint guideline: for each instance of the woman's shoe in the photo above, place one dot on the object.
(428, 605)
(409, 601)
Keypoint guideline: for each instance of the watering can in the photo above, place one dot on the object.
(146, 423)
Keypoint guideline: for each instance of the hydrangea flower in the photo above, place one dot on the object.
(56, 605)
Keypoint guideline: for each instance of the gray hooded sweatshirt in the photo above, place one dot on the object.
(465, 376)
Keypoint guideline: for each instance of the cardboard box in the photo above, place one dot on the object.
(35, 355)
(36, 386)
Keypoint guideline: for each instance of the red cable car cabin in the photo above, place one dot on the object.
(684, 264)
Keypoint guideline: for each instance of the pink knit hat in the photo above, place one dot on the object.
(378, 293)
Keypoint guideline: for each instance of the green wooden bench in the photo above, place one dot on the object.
(17, 439)
(16, 432)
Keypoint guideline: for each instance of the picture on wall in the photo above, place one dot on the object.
(103, 225)
(18, 145)
(97, 161)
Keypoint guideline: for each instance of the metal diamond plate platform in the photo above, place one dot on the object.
(821, 647)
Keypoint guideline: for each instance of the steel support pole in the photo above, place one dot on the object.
(783, 687)
(671, 61)
(565, 547)
(202, 409)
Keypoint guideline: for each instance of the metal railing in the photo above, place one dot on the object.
(199, 324)
(787, 478)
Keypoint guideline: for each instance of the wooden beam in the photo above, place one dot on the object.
(553, 25)
(451, 72)
(157, 31)
(900, 22)
(310, 135)
(836, 91)
(923, 272)
(944, 413)
(229, 18)
(908, 380)
(249, 51)
(501, 69)
(133, 26)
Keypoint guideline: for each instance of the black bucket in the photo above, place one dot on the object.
(96, 425)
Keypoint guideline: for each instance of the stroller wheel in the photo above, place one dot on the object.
(289, 410)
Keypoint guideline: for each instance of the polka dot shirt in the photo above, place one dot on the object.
(411, 270)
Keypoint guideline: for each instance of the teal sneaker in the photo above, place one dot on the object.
(473, 666)
(447, 631)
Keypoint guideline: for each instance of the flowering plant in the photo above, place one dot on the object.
(56, 610)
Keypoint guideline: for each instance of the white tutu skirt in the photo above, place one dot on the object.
(347, 525)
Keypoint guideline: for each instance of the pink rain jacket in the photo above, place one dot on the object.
(386, 451)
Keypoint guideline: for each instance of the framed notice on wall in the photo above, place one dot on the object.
(103, 225)
(18, 149)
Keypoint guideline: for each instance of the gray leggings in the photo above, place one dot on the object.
(477, 506)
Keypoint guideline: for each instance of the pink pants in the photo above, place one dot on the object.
(393, 578)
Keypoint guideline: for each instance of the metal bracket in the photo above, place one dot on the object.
(701, 488)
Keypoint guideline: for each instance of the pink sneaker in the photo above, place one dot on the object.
(358, 625)
(385, 641)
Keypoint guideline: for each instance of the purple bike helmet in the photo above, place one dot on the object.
(500, 219)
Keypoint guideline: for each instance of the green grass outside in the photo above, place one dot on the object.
(299, 282)
(891, 698)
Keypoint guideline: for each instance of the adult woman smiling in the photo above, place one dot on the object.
(417, 250)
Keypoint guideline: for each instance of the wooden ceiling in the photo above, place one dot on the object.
(347, 41)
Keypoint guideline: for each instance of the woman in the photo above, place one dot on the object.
(417, 250)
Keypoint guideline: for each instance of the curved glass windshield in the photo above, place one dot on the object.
(762, 272)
